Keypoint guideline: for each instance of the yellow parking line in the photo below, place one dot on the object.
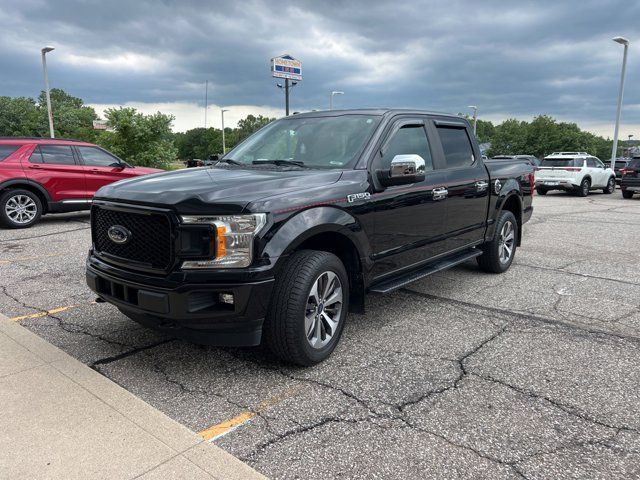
(216, 431)
(24, 259)
(48, 312)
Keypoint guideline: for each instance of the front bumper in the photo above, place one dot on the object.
(193, 311)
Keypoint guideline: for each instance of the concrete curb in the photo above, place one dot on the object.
(61, 419)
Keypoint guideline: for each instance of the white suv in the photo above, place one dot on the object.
(574, 171)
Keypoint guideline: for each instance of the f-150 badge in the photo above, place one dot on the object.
(358, 196)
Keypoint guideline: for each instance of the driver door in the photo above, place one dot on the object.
(408, 219)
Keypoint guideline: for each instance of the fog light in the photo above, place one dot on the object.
(226, 298)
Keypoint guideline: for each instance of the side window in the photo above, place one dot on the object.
(599, 163)
(57, 155)
(591, 163)
(457, 146)
(36, 156)
(410, 139)
(6, 150)
(95, 157)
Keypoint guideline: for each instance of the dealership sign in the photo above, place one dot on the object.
(286, 66)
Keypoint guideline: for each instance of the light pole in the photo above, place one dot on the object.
(614, 149)
(475, 117)
(206, 101)
(44, 52)
(224, 147)
(331, 98)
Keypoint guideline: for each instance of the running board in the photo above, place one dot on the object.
(388, 286)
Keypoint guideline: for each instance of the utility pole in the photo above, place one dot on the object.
(335, 92)
(614, 151)
(44, 52)
(206, 101)
(224, 146)
(475, 117)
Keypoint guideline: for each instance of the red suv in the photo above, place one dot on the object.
(41, 175)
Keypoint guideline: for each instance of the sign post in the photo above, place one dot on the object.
(287, 67)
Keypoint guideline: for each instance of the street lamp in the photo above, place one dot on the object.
(614, 150)
(475, 117)
(331, 98)
(44, 52)
(224, 147)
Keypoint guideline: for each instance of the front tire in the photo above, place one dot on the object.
(498, 254)
(583, 189)
(611, 186)
(19, 208)
(308, 308)
(541, 191)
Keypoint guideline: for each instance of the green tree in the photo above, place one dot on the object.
(71, 117)
(249, 125)
(199, 143)
(509, 138)
(19, 117)
(485, 131)
(140, 139)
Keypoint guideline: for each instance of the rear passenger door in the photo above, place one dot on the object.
(57, 169)
(467, 183)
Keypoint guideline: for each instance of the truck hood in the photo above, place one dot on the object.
(196, 190)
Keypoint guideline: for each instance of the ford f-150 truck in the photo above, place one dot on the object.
(287, 232)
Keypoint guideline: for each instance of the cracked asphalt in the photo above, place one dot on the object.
(531, 374)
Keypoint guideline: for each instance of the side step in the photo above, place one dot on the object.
(395, 283)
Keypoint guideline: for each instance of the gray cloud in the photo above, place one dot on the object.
(509, 58)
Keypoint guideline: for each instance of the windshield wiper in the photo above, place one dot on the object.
(230, 161)
(279, 162)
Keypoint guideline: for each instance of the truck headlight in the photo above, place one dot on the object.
(233, 239)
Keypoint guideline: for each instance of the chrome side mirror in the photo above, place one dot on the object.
(408, 168)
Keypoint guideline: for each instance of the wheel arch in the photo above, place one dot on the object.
(31, 186)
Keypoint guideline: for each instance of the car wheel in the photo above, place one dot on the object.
(497, 255)
(611, 186)
(627, 194)
(541, 191)
(19, 208)
(308, 308)
(583, 190)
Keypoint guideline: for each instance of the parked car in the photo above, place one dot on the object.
(620, 164)
(196, 162)
(287, 233)
(534, 160)
(630, 182)
(576, 172)
(42, 175)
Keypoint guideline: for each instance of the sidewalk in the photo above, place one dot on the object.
(60, 419)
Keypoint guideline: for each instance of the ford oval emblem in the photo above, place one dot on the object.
(118, 234)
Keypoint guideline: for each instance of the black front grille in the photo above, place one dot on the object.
(150, 244)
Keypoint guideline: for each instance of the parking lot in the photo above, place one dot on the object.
(534, 373)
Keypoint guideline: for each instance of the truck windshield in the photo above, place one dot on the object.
(314, 142)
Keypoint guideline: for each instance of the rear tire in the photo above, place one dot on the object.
(627, 194)
(19, 208)
(493, 259)
(583, 189)
(611, 186)
(541, 191)
(297, 328)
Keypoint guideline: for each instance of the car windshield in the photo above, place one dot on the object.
(562, 162)
(314, 142)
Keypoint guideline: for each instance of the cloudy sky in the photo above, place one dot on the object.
(512, 59)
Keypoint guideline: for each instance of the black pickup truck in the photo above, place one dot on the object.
(289, 230)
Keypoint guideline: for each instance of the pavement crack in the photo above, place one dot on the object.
(128, 353)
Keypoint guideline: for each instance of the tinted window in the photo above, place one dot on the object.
(36, 156)
(98, 158)
(6, 150)
(591, 163)
(562, 162)
(635, 163)
(456, 146)
(410, 139)
(57, 154)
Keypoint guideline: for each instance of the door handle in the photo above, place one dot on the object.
(481, 185)
(94, 170)
(440, 193)
(35, 166)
